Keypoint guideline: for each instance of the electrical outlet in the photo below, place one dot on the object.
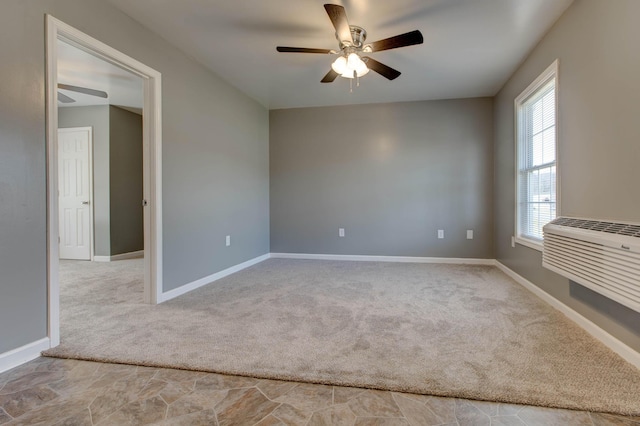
(341, 232)
(469, 234)
(440, 234)
(228, 240)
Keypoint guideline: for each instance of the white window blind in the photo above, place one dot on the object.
(536, 157)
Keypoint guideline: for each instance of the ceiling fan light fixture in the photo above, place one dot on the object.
(350, 74)
(340, 65)
(361, 68)
(353, 61)
(345, 66)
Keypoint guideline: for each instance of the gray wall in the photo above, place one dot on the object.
(390, 174)
(96, 117)
(598, 136)
(125, 162)
(215, 159)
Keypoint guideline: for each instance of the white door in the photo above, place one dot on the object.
(74, 193)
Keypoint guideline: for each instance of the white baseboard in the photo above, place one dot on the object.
(400, 259)
(26, 353)
(626, 352)
(122, 256)
(131, 255)
(211, 278)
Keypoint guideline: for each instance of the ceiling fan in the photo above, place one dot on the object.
(67, 100)
(351, 63)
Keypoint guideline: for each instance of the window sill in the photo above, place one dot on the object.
(536, 245)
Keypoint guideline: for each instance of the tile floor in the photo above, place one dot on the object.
(50, 391)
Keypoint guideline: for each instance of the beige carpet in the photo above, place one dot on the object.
(464, 331)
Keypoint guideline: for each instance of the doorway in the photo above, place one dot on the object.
(152, 165)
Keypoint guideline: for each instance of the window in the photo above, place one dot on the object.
(536, 180)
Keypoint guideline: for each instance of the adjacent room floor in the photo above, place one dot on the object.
(49, 391)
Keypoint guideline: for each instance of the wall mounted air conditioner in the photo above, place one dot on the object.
(603, 256)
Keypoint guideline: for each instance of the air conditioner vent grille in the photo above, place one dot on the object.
(600, 255)
(601, 226)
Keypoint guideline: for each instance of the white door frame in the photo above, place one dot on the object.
(152, 163)
(91, 211)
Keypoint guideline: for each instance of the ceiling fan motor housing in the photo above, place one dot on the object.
(358, 34)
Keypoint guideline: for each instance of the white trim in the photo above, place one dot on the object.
(550, 71)
(89, 130)
(626, 352)
(399, 259)
(23, 354)
(152, 159)
(211, 278)
(122, 256)
(529, 243)
(53, 249)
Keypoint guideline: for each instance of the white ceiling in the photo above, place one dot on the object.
(79, 68)
(471, 46)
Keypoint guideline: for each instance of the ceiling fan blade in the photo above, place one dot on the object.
(381, 68)
(340, 22)
(302, 50)
(86, 91)
(402, 40)
(331, 75)
(65, 99)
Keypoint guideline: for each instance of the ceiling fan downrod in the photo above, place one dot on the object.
(358, 36)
